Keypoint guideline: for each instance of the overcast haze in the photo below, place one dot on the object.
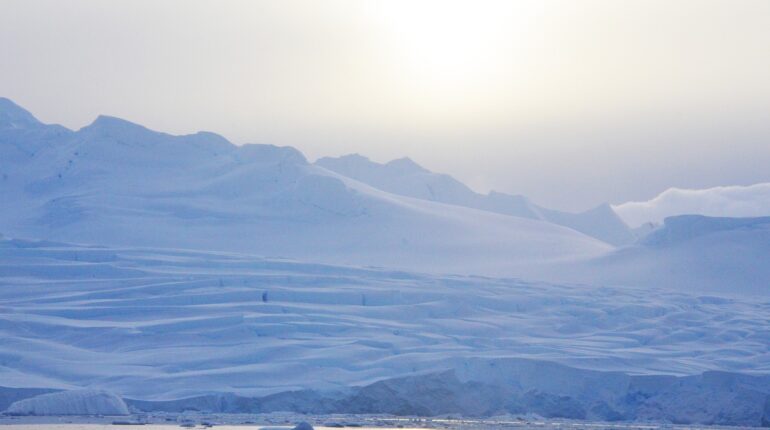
(571, 103)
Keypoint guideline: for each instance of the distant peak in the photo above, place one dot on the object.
(358, 161)
(606, 212)
(15, 116)
(254, 152)
(605, 208)
(106, 121)
(210, 139)
(111, 126)
(355, 158)
(208, 135)
(499, 195)
(406, 164)
(347, 164)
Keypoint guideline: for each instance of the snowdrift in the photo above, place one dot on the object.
(194, 323)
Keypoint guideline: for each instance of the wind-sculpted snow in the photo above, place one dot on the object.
(154, 324)
(176, 311)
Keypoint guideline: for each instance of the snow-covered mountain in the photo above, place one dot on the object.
(402, 177)
(118, 183)
(174, 311)
(406, 178)
(114, 182)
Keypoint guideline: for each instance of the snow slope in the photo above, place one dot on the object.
(691, 253)
(155, 324)
(405, 177)
(114, 182)
(732, 201)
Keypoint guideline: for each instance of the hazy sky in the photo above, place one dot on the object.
(570, 102)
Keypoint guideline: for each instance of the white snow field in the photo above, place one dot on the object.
(162, 325)
(117, 183)
(245, 279)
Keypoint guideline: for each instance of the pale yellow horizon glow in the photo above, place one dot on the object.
(454, 46)
(547, 98)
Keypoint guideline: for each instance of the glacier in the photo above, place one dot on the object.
(174, 329)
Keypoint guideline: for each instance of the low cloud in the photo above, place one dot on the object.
(732, 201)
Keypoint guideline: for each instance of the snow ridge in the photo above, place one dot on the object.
(407, 178)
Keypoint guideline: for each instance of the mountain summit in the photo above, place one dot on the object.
(13, 116)
(407, 178)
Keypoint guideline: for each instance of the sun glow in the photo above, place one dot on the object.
(456, 44)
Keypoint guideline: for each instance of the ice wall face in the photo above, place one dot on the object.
(488, 387)
(76, 402)
(9, 395)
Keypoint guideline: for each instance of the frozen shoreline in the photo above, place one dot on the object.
(286, 421)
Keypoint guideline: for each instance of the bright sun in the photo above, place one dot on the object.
(455, 43)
